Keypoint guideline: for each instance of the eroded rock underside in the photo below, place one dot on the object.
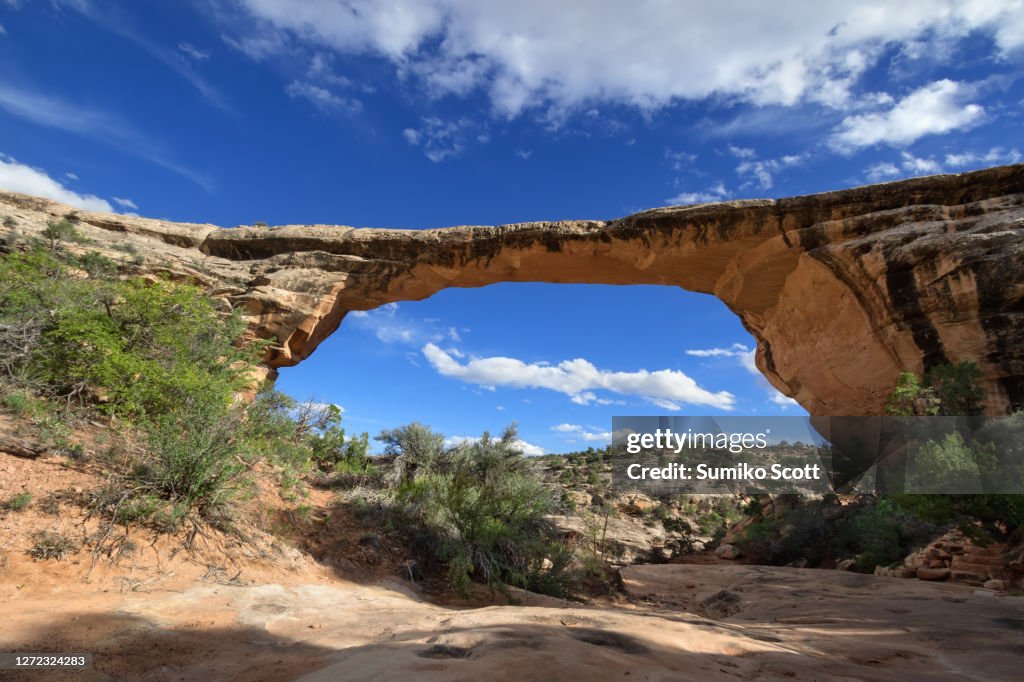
(842, 290)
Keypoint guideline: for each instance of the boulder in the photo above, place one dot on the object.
(727, 552)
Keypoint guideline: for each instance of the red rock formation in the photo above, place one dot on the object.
(842, 290)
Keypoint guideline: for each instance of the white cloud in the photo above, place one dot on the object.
(717, 192)
(882, 170)
(735, 350)
(576, 378)
(762, 171)
(680, 160)
(18, 177)
(919, 166)
(524, 154)
(537, 53)
(994, 156)
(118, 23)
(528, 449)
(125, 203)
(259, 46)
(441, 139)
(955, 161)
(70, 176)
(322, 98)
(933, 109)
(3, 31)
(390, 326)
(587, 434)
(741, 152)
(317, 406)
(745, 356)
(53, 112)
(784, 402)
(321, 67)
(194, 52)
(665, 404)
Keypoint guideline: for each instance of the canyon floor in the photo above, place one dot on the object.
(320, 598)
(676, 622)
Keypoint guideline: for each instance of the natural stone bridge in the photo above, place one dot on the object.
(842, 290)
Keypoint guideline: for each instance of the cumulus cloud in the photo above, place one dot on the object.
(18, 177)
(577, 379)
(536, 53)
(933, 109)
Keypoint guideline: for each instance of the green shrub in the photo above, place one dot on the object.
(479, 508)
(18, 502)
(59, 230)
(51, 545)
(10, 222)
(192, 459)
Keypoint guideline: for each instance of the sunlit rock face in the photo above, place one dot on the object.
(842, 290)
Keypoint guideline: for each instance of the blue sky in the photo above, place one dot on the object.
(426, 113)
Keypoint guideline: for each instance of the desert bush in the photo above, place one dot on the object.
(191, 459)
(415, 448)
(18, 502)
(52, 545)
(479, 509)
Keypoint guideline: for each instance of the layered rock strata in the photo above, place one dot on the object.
(842, 290)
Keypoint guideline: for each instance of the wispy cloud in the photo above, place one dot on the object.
(190, 50)
(322, 98)
(440, 139)
(53, 112)
(125, 203)
(115, 20)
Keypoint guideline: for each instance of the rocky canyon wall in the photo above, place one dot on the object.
(842, 290)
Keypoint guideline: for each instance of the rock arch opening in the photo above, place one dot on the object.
(466, 360)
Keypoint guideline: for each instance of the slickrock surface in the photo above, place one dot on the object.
(688, 623)
(842, 290)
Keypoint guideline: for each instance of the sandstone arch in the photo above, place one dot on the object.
(842, 290)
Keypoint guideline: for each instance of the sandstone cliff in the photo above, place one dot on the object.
(842, 290)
